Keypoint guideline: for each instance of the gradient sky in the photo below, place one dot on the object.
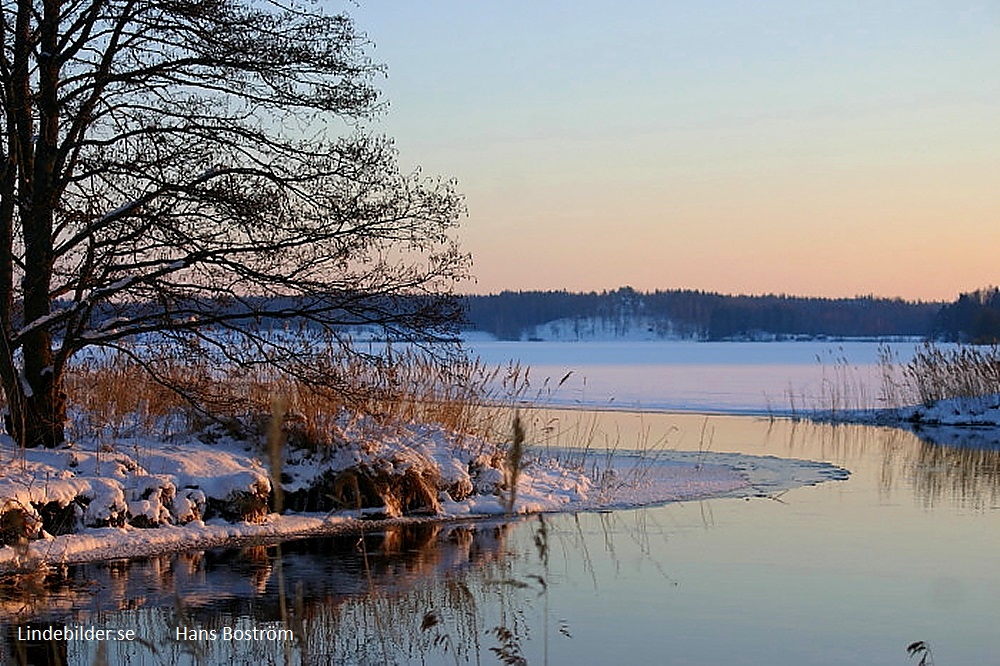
(827, 148)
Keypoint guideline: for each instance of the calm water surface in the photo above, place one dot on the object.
(845, 572)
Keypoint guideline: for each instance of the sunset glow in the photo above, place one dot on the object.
(811, 148)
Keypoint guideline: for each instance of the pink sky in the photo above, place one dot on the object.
(809, 147)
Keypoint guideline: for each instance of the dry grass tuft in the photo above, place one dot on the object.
(933, 374)
(963, 372)
(115, 394)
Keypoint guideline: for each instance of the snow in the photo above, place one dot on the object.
(967, 422)
(630, 329)
(168, 484)
(107, 486)
(974, 411)
(40, 322)
(25, 386)
(118, 488)
(799, 379)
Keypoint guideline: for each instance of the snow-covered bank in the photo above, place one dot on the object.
(965, 422)
(136, 498)
(978, 411)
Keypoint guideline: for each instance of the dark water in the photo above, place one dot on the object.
(848, 572)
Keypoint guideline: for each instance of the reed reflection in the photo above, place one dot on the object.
(966, 475)
(487, 592)
(959, 467)
(413, 589)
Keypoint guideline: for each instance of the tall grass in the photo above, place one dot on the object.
(963, 372)
(841, 388)
(120, 394)
(593, 443)
(934, 373)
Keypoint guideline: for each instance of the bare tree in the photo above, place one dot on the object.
(196, 166)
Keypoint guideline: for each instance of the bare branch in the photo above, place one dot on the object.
(197, 166)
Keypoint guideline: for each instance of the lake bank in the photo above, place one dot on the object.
(114, 486)
(902, 550)
(149, 484)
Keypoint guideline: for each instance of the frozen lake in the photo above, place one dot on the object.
(847, 571)
(756, 378)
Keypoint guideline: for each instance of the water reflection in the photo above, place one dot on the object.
(970, 475)
(872, 559)
(938, 467)
(941, 466)
(385, 597)
(425, 593)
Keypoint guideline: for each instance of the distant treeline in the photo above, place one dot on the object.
(974, 317)
(703, 315)
(514, 315)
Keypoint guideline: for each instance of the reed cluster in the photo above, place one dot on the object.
(120, 394)
(932, 374)
(962, 372)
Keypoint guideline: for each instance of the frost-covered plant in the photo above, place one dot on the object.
(513, 463)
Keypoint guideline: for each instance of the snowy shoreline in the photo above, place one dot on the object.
(165, 494)
(141, 497)
(969, 422)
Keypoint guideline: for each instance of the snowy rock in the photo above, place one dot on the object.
(398, 469)
(150, 501)
(105, 501)
(188, 506)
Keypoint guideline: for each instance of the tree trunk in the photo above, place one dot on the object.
(42, 416)
(42, 421)
(42, 413)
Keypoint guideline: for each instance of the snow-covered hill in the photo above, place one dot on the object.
(605, 329)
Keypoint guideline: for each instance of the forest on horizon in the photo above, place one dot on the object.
(515, 315)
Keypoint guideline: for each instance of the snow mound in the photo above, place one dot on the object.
(977, 411)
(138, 484)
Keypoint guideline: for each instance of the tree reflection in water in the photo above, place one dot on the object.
(425, 593)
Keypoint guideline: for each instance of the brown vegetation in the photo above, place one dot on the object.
(963, 372)
(115, 394)
(115, 398)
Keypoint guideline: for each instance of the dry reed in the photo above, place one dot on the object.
(118, 394)
(934, 373)
(963, 372)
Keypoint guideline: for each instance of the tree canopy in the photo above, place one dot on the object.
(974, 317)
(191, 167)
